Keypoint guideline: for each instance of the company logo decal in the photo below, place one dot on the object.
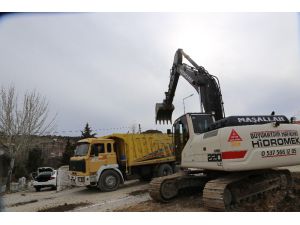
(276, 138)
(234, 138)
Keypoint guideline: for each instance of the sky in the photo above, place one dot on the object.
(109, 69)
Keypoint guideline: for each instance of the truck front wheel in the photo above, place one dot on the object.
(109, 181)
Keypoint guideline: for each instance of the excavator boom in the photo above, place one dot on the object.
(205, 84)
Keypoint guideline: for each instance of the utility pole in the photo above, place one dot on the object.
(183, 102)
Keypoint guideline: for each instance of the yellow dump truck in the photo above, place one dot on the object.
(106, 162)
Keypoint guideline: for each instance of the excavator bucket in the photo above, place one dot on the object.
(163, 112)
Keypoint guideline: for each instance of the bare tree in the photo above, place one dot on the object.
(20, 121)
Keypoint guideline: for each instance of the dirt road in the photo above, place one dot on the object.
(131, 197)
(77, 199)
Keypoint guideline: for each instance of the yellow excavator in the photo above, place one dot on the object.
(232, 159)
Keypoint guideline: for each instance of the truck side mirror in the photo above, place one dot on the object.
(169, 131)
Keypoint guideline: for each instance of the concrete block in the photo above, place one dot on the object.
(14, 187)
(63, 178)
(22, 183)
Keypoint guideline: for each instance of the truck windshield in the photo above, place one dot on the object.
(81, 149)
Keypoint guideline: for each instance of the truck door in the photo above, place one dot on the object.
(98, 156)
(111, 154)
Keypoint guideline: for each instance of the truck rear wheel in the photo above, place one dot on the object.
(109, 181)
(164, 170)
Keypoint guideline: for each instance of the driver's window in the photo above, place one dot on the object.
(94, 150)
(97, 149)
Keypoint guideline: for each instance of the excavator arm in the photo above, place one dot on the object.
(205, 83)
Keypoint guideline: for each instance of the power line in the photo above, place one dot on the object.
(99, 130)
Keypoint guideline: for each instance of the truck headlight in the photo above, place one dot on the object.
(81, 179)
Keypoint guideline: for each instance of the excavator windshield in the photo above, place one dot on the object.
(201, 122)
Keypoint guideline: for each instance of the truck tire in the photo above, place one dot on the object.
(109, 181)
(164, 170)
(146, 173)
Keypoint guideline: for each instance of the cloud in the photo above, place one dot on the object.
(109, 69)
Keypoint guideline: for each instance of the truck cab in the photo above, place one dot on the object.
(91, 157)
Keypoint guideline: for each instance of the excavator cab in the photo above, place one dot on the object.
(183, 129)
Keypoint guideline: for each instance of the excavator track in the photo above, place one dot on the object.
(232, 192)
(223, 192)
(163, 189)
(157, 183)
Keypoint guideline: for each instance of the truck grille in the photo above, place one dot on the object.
(77, 165)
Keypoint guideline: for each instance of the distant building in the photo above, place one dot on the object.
(53, 148)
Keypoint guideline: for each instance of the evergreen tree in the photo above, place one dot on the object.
(87, 132)
(68, 153)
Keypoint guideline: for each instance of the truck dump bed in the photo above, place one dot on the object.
(141, 149)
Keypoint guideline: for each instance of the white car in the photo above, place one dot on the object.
(46, 177)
